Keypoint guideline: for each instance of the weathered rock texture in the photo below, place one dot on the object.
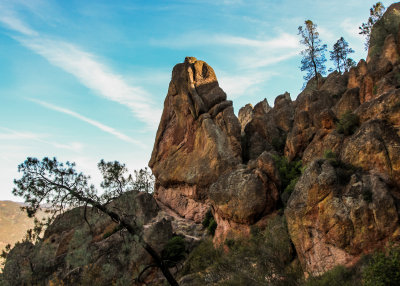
(241, 198)
(198, 139)
(335, 214)
(75, 252)
(197, 155)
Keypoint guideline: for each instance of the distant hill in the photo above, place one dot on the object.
(13, 223)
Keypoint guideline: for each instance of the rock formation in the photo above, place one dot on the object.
(335, 214)
(198, 139)
(205, 158)
(197, 155)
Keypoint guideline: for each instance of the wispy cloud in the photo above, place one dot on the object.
(86, 68)
(9, 134)
(92, 122)
(249, 53)
(96, 76)
(238, 85)
(17, 25)
(284, 40)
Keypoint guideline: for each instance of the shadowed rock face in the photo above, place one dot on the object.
(198, 139)
(76, 252)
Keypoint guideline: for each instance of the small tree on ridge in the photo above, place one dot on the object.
(376, 13)
(314, 53)
(339, 55)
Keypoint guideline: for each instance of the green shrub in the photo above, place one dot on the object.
(210, 223)
(289, 173)
(333, 158)
(288, 191)
(329, 154)
(338, 276)
(264, 258)
(375, 89)
(207, 218)
(229, 242)
(202, 257)
(78, 254)
(279, 143)
(348, 123)
(174, 250)
(383, 269)
(212, 227)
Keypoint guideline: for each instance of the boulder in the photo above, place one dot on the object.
(322, 142)
(375, 146)
(386, 108)
(335, 214)
(244, 196)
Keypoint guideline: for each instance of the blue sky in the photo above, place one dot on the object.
(86, 80)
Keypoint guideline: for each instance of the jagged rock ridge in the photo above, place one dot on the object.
(329, 218)
(204, 157)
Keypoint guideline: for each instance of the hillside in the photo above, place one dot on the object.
(303, 192)
(13, 223)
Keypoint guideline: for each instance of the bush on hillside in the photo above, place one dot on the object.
(264, 258)
(207, 218)
(202, 257)
(348, 123)
(174, 251)
(289, 173)
(210, 223)
(383, 269)
(338, 276)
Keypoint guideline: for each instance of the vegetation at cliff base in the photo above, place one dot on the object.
(381, 268)
(266, 256)
(384, 268)
(174, 250)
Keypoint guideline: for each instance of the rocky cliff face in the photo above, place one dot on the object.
(198, 153)
(198, 139)
(341, 207)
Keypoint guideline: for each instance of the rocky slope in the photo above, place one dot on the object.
(340, 208)
(345, 203)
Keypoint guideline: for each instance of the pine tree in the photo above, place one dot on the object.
(339, 55)
(376, 13)
(314, 54)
